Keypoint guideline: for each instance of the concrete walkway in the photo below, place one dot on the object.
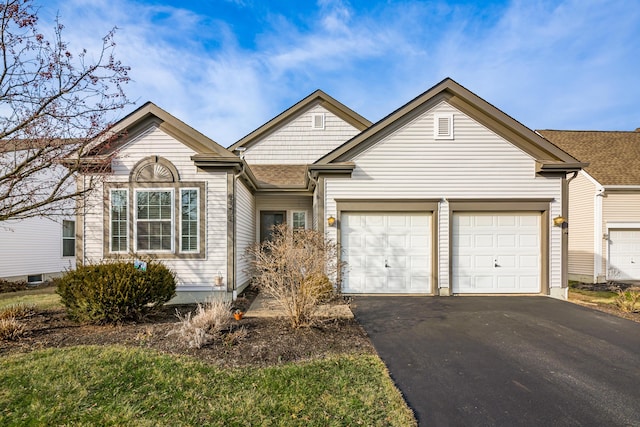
(264, 306)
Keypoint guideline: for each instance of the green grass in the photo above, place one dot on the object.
(43, 298)
(606, 297)
(125, 386)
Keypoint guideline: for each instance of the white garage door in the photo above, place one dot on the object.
(386, 252)
(624, 254)
(496, 253)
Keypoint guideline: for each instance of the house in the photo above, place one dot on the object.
(446, 195)
(604, 204)
(37, 248)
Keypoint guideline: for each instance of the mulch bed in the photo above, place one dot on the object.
(600, 306)
(264, 341)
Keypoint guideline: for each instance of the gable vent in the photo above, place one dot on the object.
(317, 121)
(443, 126)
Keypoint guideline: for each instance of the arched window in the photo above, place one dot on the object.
(156, 213)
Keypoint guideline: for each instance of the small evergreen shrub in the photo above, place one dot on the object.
(113, 292)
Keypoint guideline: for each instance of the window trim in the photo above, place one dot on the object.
(130, 187)
(198, 214)
(138, 190)
(72, 238)
(293, 213)
(322, 117)
(127, 221)
(437, 128)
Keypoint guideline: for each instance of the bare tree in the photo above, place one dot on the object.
(53, 105)
(294, 267)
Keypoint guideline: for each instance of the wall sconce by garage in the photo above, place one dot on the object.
(559, 221)
(331, 221)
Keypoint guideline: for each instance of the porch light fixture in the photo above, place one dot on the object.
(559, 221)
(331, 221)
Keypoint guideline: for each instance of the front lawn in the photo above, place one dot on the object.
(43, 297)
(115, 385)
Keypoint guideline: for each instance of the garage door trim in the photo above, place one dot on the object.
(426, 206)
(541, 206)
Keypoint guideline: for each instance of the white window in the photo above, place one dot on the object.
(443, 126)
(68, 238)
(317, 121)
(299, 220)
(189, 223)
(154, 220)
(119, 230)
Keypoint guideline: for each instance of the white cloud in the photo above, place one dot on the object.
(568, 64)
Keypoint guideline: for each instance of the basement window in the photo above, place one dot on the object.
(443, 126)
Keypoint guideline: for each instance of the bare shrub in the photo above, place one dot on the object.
(628, 300)
(11, 328)
(294, 268)
(207, 325)
(17, 311)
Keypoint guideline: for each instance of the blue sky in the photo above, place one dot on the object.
(227, 66)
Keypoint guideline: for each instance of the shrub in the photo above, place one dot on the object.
(10, 328)
(17, 311)
(294, 268)
(113, 292)
(628, 300)
(210, 320)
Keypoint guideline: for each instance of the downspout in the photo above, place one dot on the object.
(565, 233)
(314, 182)
(234, 287)
(598, 234)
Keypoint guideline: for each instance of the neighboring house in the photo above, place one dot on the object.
(38, 248)
(446, 195)
(604, 204)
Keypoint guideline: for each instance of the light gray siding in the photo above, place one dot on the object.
(582, 200)
(32, 246)
(477, 163)
(620, 209)
(192, 274)
(289, 204)
(298, 143)
(245, 237)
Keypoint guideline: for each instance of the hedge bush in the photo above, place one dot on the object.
(113, 292)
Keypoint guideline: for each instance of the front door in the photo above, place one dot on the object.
(268, 220)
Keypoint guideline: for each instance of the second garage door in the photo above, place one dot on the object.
(624, 254)
(496, 253)
(386, 252)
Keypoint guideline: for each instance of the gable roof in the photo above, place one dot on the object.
(614, 157)
(149, 114)
(548, 156)
(317, 97)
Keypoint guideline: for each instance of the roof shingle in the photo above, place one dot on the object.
(613, 156)
(280, 175)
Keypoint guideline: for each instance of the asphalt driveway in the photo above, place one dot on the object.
(507, 361)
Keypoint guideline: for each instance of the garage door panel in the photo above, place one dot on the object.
(496, 252)
(397, 248)
(483, 241)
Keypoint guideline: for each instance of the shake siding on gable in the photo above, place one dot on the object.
(245, 237)
(477, 163)
(199, 272)
(298, 143)
(582, 192)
